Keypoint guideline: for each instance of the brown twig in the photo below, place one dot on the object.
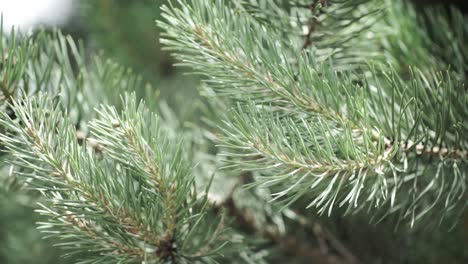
(6, 92)
(445, 153)
(314, 22)
(289, 244)
(82, 138)
(327, 237)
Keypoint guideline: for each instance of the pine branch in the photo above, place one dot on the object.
(341, 137)
(62, 172)
(117, 247)
(311, 125)
(111, 128)
(267, 77)
(113, 205)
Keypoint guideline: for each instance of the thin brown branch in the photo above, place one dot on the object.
(6, 92)
(327, 237)
(92, 143)
(289, 244)
(314, 22)
(444, 153)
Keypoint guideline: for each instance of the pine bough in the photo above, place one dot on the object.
(333, 104)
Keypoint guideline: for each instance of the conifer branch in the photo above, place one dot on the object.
(116, 247)
(98, 195)
(253, 77)
(61, 170)
(111, 128)
(319, 120)
(342, 136)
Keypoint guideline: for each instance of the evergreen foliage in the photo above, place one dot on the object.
(356, 138)
(319, 116)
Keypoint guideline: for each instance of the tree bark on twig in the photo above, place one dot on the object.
(289, 244)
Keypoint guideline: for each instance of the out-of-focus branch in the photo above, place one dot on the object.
(314, 22)
(290, 244)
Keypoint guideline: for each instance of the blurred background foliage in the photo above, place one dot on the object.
(20, 241)
(126, 32)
